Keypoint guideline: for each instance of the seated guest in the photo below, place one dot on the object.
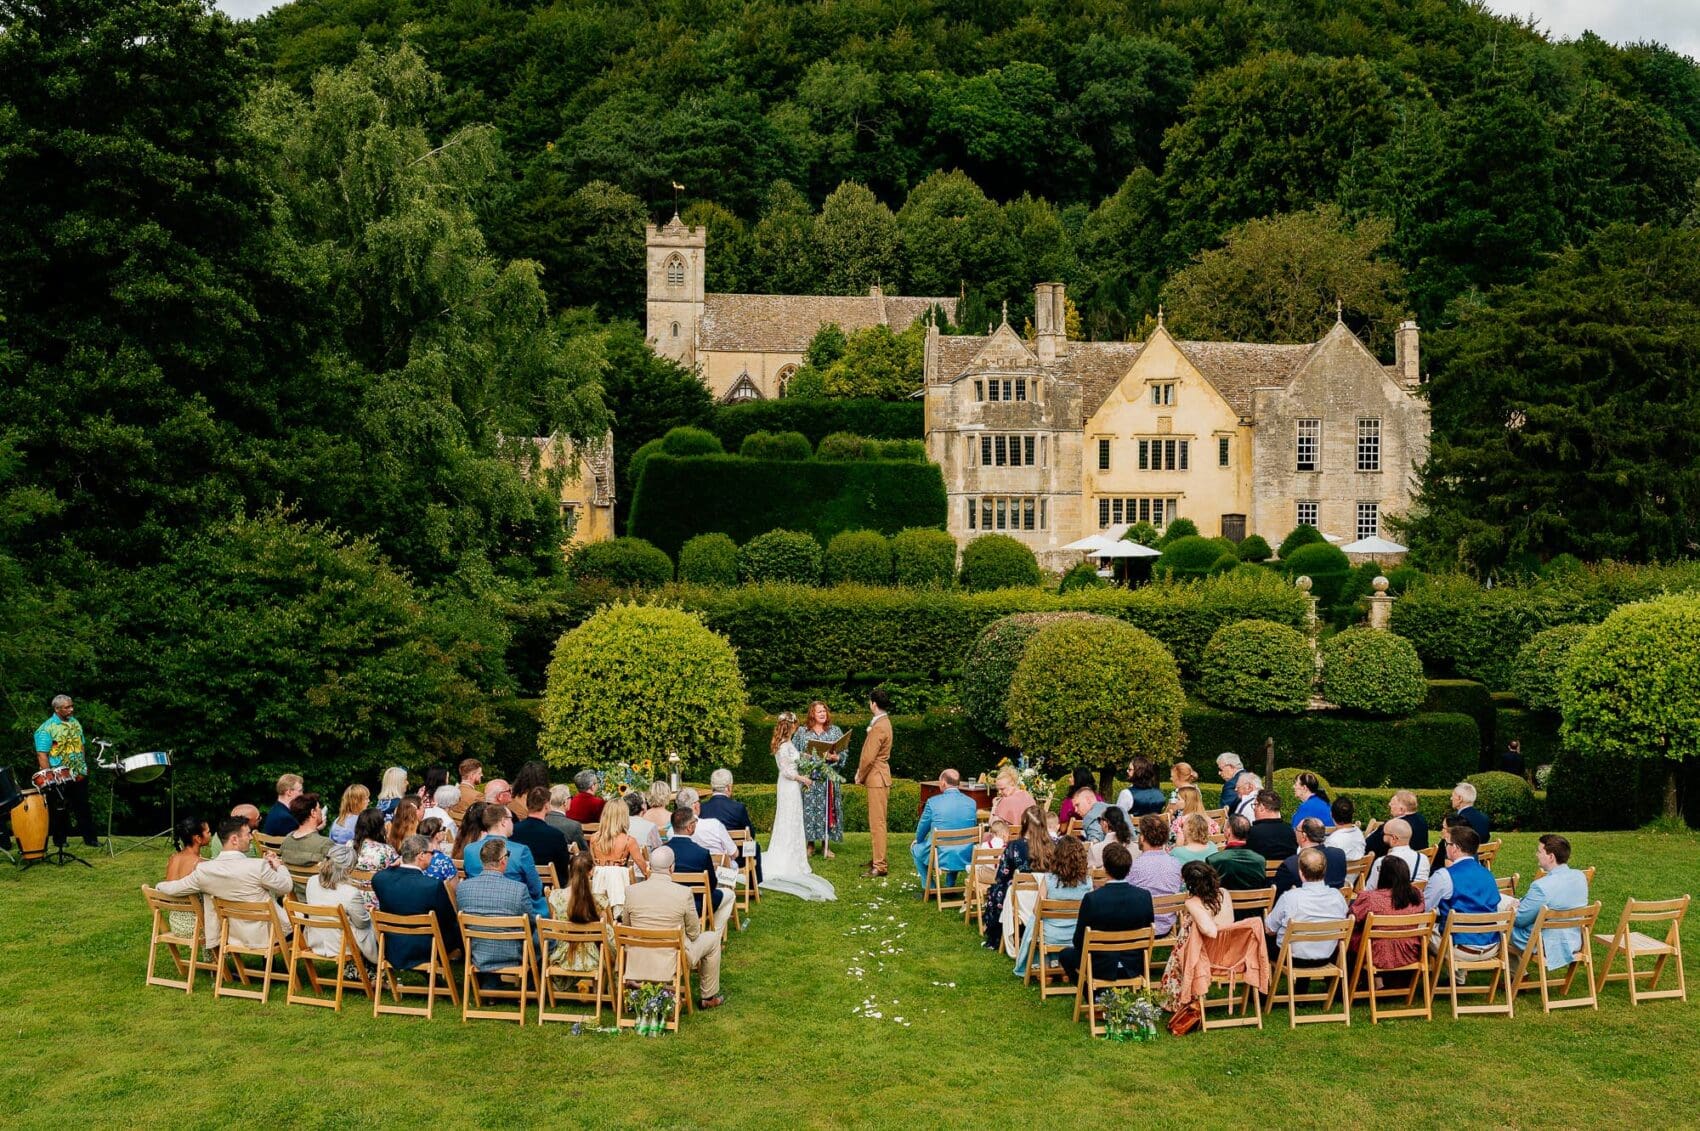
(586, 807)
(572, 902)
(471, 829)
(547, 845)
(997, 836)
(732, 814)
(1347, 837)
(711, 834)
(498, 824)
(1116, 906)
(1563, 888)
(1464, 808)
(659, 904)
(949, 810)
(689, 856)
(560, 796)
(442, 802)
(354, 800)
(372, 851)
(1142, 795)
(233, 874)
(278, 820)
(1116, 830)
(1206, 935)
(1463, 885)
(1392, 895)
(1231, 769)
(391, 789)
(1271, 837)
(1237, 867)
(1246, 789)
(190, 835)
(1068, 881)
(436, 777)
(1089, 811)
(331, 887)
(658, 805)
(615, 852)
(643, 830)
(1012, 800)
(1313, 901)
(1189, 802)
(307, 844)
(404, 821)
(1311, 836)
(250, 816)
(1313, 800)
(471, 772)
(1029, 852)
(491, 892)
(1396, 835)
(1154, 869)
(531, 775)
(441, 865)
(1402, 805)
(1193, 841)
(407, 889)
(1182, 775)
(498, 792)
(1082, 779)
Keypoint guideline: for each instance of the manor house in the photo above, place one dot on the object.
(746, 347)
(1050, 440)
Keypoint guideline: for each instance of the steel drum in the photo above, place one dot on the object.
(144, 767)
(53, 776)
(29, 825)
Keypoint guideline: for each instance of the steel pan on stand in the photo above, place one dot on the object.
(134, 769)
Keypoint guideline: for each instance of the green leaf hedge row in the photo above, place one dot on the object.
(817, 418)
(1420, 752)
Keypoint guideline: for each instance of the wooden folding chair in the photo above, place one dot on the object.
(1633, 944)
(1099, 878)
(434, 967)
(1587, 872)
(1088, 985)
(1021, 886)
(554, 933)
(1395, 928)
(264, 843)
(1455, 959)
(1488, 853)
(698, 883)
(974, 899)
(932, 885)
(1258, 901)
(589, 828)
(1053, 979)
(230, 951)
(1270, 867)
(304, 917)
(175, 944)
(1508, 884)
(1074, 828)
(1357, 871)
(546, 873)
(1162, 905)
(1581, 920)
(495, 928)
(1220, 816)
(750, 892)
(1335, 972)
(723, 862)
(301, 873)
(1251, 1011)
(627, 939)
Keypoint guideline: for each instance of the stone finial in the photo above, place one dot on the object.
(1303, 583)
(1339, 311)
(1159, 316)
(1379, 585)
(1006, 312)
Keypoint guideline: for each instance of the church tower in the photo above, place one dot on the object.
(675, 290)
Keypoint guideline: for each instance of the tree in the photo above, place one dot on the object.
(952, 236)
(589, 241)
(856, 238)
(878, 363)
(647, 395)
(1125, 92)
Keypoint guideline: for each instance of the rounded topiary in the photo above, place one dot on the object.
(901, 449)
(709, 559)
(1187, 557)
(689, 441)
(923, 557)
(1282, 784)
(1179, 528)
(780, 555)
(997, 561)
(1258, 665)
(1507, 799)
(990, 664)
(859, 555)
(791, 446)
(1564, 566)
(634, 682)
(1254, 548)
(1229, 560)
(620, 561)
(1302, 535)
(1327, 567)
(842, 446)
(1143, 533)
(1081, 575)
(1537, 675)
(1373, 672)
(1095, 692)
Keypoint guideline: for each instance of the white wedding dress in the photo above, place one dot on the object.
(785, 864)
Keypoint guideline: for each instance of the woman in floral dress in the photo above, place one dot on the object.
(1029, 852)
(823, 809)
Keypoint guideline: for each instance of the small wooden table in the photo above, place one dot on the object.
(981, 795)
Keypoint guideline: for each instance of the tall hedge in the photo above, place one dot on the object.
(1095, 692)
(1459, 628)
(1257, 665)
(1420, 752)
(677, 497)
(816, 418)
(990, 665)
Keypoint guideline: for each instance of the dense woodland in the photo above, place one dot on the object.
(280, 302)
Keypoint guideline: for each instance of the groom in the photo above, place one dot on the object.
(874, 771)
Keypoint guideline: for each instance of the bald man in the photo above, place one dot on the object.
(249, 813)
(1397, 834)
(948, 810)
(659, 904)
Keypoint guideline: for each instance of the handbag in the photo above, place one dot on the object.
(1185, 1019)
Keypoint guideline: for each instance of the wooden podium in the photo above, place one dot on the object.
(982, 795)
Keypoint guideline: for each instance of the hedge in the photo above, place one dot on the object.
(923, 556)
(620, 561)
(1423, 751)
(1254, 665)
(1467, 697)
(709, 559)
(1372, 672)
(997, 561)
(677, 497)
(1093, 691)
(861, 556)
(881, 420)
(790, 447)
(921, 745)
(780, 556)
(1461, 629)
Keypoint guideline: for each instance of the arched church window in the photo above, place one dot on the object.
(785, 375)
(675, 329)
(675, 271)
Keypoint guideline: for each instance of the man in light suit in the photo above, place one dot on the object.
(233, 874)
(949, 810)
(659, 904)
(874, 771)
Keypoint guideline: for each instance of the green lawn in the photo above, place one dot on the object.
(88, 1042)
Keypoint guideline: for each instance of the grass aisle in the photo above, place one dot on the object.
(875, 1010)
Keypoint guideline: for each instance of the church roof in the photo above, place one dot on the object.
(786, 323)
(1236, 368)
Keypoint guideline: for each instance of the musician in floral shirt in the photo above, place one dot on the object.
(59, 746)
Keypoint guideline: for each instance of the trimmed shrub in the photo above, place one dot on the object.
(1229, 560)
(1302, 535)
(1460, 628)
(1466, 697)
(990, 665)
(1254, 548)
(789, 447)
(689, 441)
(1260, 666)
(1372, 672)
(1143, 533)
(997, 561)
(1327, 567)
(634, 681)
(1092, 692)
(1540, 665)
(816, 419)
(1187, 557)
(1507, 799)
(1400, 579)
(842, 445)
(1081, 575)
(902, 449)
(780, 555)
(709, 559)
(923, 557)
(1180, 528)
(1282, 784)
(862, 556)
(1423, 751)
(620, 561)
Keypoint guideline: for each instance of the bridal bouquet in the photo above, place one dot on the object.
(1130, 1015)
(818, 768)
(650, 1002)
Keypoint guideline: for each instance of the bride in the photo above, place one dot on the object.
(785, 864)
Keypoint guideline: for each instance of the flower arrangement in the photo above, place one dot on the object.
(622, 778)
(1033, 779)
(818, 768)
(1130, 1015)
(651, 1003)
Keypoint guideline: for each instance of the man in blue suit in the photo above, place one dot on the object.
(732, 814)
(948, 810)
(689, 856)
(522, 866)
(407, 890)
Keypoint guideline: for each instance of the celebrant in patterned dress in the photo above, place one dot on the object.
(823, 806)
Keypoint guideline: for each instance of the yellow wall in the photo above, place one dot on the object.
(720, 369)
(1199, 414)
(594, 522)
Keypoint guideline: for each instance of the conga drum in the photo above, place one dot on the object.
(29, 825)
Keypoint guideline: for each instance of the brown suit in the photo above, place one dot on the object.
(468, 794)
(874, 771)
(659, 904)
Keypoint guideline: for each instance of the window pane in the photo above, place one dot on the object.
(1145, 511)
(1185, 445)
(1168, 455)
(985, 451)
(985, 514)
(1156, 394)
(979, 390)
(1116, 509)
(1369, 445)
(1144, 455)
(972, 513)
(1307, 514)
(1222, 452)
(1027, 512)
(1002, 451)
(1368, 520)
(1003, 517)
(1020, 388)
(1042, 514)
(1309, 439)
(1103, 513)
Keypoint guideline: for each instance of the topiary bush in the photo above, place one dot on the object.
(862, 556)
(1081, 575)
(1282, 784)
(789, 446)
(1187, 557)
(780, 555)
(689, 441)
(709, 559)
(990, 665)
(1507, 799)
(1258, 665)
(1302, 535)
(842, 445)
(1254, 548)
(634, 682)
(997, 561)
(1538, 673)
(1372, 672)
(1094, 692)
(1180, 528)
(1327, 567)
(922, 557)
(620, 561)
(1143, 533)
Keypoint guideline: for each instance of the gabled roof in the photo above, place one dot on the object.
(786, 323)
(1098, 366)
(1236, 368)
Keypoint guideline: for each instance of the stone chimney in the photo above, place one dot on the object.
(1050, 321)
(878, 295)
(1405, 356)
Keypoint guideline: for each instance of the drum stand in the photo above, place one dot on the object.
(111, 791)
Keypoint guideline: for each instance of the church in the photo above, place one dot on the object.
(1048, 440)
(746, 347)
